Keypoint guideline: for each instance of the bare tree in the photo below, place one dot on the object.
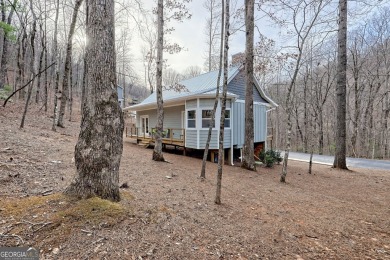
(179, 12)
(55, 57)
(68, 60)
(358, 59)
(157, 152)
(6, 22)
(149, 36)
(340, 160)
(221, 154)
(221, 49)
(99, 147)
(302, 30)
(212, 29)
(171, 77)
(248, 161)
(32, 63)
(41, 60)
(192, 71)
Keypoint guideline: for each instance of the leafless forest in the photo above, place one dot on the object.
(42, 48)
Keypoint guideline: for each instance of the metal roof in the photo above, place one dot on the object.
(197, 85)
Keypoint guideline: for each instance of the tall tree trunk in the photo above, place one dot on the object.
(57, 73)
(99, 147)
(305, 115)
(124, 80)
(45, 89)
(32, 63)
(157, 152)
(71, 91)
(289, 120)
(206, 149)
(2, 32)
(46, 96)
(83, 85)
(223, 105)
(4, 54)
(300, 137)
(68, 58)
(248, 161)
(386, 126)
(20, 61)
(320, 133)
(340, 160)
(41, 62)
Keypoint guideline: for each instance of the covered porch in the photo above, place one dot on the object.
(171, 136)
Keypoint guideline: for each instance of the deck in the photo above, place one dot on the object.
(171, 136)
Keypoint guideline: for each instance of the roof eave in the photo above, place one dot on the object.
(263, 95)
(173, 101)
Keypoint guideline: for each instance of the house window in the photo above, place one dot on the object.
(191, 119)
(206, 118)
(227, 118)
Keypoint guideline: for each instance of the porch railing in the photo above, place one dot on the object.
(170, 135)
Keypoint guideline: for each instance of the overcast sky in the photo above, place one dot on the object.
(190, 35)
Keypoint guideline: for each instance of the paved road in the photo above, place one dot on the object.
(351, 162)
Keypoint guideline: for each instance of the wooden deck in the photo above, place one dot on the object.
(173, 136)
(148, 138)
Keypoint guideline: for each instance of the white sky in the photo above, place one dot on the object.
(190, 35)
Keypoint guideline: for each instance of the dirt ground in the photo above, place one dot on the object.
(168, 213)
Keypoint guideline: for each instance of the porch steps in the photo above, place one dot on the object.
(144, 144)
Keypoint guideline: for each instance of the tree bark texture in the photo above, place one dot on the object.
(20, 60)
(32, 64)
(206, 149)
(57, 73)
(4, 53)
(248, 161)
(157, 152)
(46, 96)
(41, 57)
(223, 105)
(68, 58)
(340, 160)
(99, 147)
(288, 148)
(2, 31)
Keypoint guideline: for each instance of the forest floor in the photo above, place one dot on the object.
(168, 213)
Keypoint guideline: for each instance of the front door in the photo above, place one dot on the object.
(145, 125)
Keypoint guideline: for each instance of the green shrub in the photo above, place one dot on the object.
(5, 92)
(270, 157)
(8, 88)
(269, 161)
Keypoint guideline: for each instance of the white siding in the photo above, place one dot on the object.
(238, 124)
(172, 119)
(260, 121)
(227, 138)
(152, 117)
(203, 139)
(260, 124)
(207, 102)
(191, 139)
(191, 104)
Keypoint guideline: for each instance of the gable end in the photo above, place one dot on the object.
(237, 86)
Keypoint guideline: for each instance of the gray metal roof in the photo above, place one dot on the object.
(200, 86)
(197, 85)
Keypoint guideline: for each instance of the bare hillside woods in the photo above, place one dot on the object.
(330, 214)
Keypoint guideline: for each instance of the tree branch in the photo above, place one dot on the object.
(36, 75)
